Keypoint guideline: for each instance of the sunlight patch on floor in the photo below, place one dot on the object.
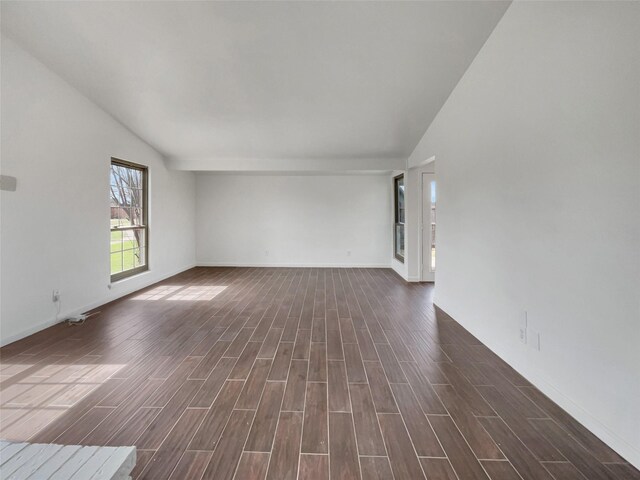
(37, 395)
(198, 293)
(158, 293)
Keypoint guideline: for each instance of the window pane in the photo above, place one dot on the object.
(128, 259)
(128, 240)
(113, 219)
(401, 200)
(138, 237)
(136, 197)
(116, 241)
(123, 217)
(129, 215)
(116, 262)
(135, 178)
(116, 175)
(136, 216)
(141, 260)
(399, 240)
(130, 197)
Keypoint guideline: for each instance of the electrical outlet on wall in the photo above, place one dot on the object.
(523, 328)
(55, 296)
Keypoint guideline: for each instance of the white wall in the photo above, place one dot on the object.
(538, 152)
(55, 227)
(299, 220)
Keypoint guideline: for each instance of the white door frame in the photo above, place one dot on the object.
(425, 229)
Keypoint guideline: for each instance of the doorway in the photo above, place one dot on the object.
(429, 200)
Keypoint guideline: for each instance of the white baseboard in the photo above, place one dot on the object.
(121, 292)
(29, 331)
(293, 265)
(625, 449)
(399, 269)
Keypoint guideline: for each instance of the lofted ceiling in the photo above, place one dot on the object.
(262, 85)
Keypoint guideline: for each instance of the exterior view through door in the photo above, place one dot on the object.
(428, 227)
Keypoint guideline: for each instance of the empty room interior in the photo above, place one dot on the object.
(294, 240)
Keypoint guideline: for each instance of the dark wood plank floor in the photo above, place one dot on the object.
(248, 373)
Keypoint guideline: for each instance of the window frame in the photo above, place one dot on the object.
(145, 219)
(396, 212)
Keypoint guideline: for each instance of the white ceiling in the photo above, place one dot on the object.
(205, 82)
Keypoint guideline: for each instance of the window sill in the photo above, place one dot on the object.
(134, 273)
